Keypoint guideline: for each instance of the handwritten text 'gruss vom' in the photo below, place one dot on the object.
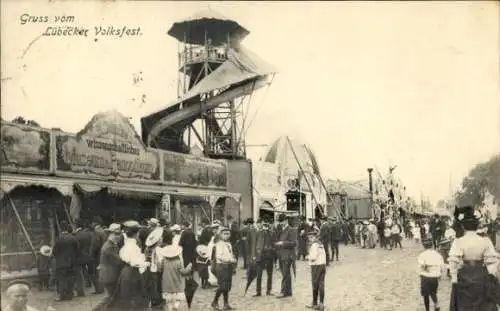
(66, 26)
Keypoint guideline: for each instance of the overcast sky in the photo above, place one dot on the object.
(364, 84)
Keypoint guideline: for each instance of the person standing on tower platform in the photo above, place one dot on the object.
(287, 241)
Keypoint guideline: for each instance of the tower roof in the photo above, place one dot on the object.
(216, 26)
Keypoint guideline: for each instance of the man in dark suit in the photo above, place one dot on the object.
(85, 240)
(335, 238)
(244, 234)
(65, 253)
(324, 237)
(188, 243)
(285, 246)
(110, 265)
(263, 254)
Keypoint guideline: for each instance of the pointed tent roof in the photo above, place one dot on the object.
(218, 27)
(275, 154)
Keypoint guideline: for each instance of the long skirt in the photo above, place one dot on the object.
(475, 290)
(131, 293)
(224, 273)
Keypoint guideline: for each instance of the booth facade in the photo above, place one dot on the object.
(105, 172)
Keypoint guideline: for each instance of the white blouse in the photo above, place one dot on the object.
(472, 247)
(132, 255)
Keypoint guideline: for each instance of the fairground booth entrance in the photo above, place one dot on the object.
(102, 172)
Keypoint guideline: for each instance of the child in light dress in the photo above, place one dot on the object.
(173, 273)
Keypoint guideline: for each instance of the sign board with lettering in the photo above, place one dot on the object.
(24, 148)
(189, 170)
(107, 147)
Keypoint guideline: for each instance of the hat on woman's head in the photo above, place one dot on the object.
(46, 251)
(468, 216)
(131, 224)
(114, 228)
(154, 237)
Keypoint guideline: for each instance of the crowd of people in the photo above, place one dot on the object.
(153, 264)
(139, 266)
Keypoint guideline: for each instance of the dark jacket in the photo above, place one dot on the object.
(65, 251)
(324, 233)
(86, 240)
(205, 236)
(110, 263)
(288, 237)
(336, 232)
(265, 245)
(188, 243)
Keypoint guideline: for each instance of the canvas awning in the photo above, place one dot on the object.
(8, 182)
(241, 64)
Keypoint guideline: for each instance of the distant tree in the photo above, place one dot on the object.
(33, 123)
(19, 120)
(483, 176)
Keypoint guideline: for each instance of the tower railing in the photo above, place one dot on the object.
(196, 54)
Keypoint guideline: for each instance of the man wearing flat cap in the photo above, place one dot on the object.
(16, 296)
(285, 245)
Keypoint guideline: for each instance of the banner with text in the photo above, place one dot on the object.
(187, 170)
(107, 147)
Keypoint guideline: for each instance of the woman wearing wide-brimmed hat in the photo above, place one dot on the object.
(470, 258)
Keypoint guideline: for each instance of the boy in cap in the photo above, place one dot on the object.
(16, 296)
(318, 261)
(431, 265)
(224, 258)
